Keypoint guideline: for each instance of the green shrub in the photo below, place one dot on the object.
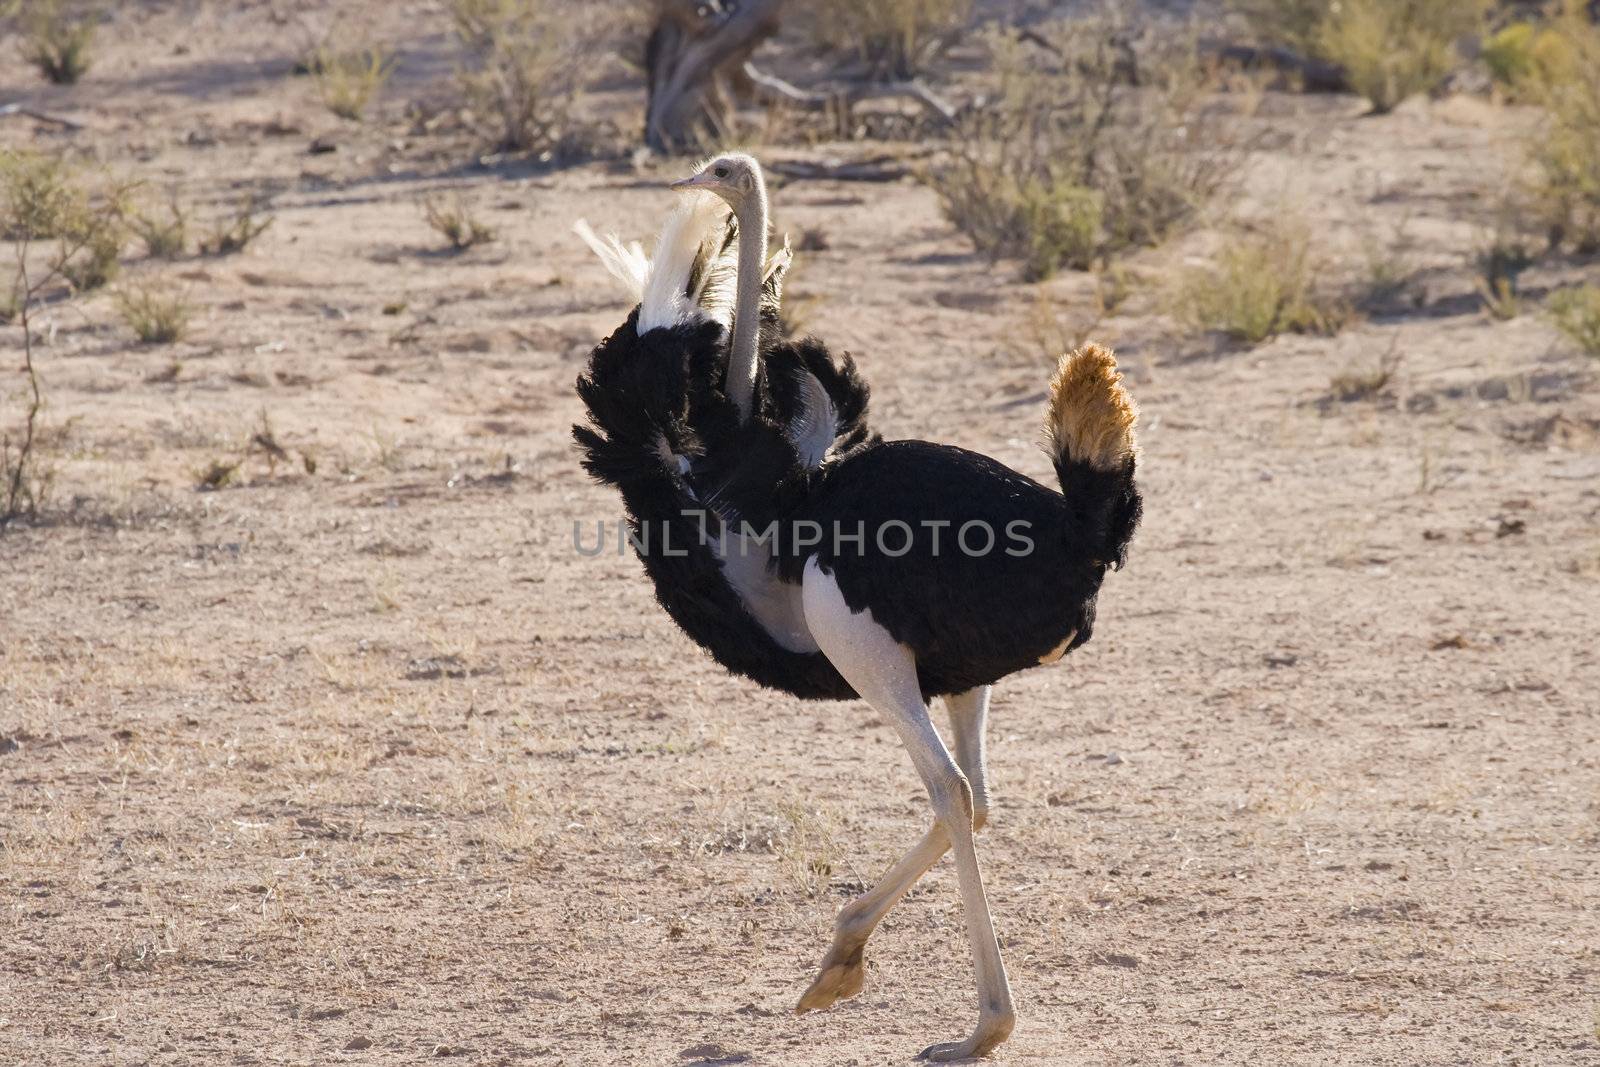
(1262, 285)
(57, 42)
(1510, 55)
(1577, 314)
(1069, 164)
(1393, 49)
(1566, 152)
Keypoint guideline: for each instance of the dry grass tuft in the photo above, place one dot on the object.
(155, 318)
(895, 39)
(347, 82)
(1364, 383)
(1576, 312)
(453, 219)
(1070, 165)
(1262, 285)
(234, 233)
(164, 238)
(56, 41)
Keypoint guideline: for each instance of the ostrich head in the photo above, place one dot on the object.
(735, 178)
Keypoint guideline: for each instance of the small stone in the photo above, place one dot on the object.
(356, 1044)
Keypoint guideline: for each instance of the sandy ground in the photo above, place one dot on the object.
(369, 765)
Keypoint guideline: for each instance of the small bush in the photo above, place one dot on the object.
(154, 319)
(57, 42)
(348, 81)
(1262, 285)
(1069, 165)
(1364, 383)
(163, 238)
(1393, 49)
(1509, 55)
(1566, 153)
(96, 263)
(1577, 314)
(41, 200)
(453, 220)
(43, 203)
(1498, 264)
(894, 38)
(526, 63)
(233, 234)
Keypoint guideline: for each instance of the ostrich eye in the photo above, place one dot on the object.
(721, 172)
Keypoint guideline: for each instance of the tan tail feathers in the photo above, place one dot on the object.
(1091, 415)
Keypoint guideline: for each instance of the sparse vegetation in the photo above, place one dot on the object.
(524, 70)
(1390, 269)
(894, 38)
(1393, 49)
(1049, 328)
(234, 233)
(347, 82)
(1499, 264)
(1576, 312)
(452, 219)
(56, 39)
(1069, 165)
(1262, 285)
(154, 317)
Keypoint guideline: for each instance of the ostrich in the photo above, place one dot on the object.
(900, 570)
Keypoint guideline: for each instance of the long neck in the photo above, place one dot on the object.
(742, 353)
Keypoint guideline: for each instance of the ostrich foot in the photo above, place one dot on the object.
(841, 976)
(991, 1032)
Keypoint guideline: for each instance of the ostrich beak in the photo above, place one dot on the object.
(691, 182)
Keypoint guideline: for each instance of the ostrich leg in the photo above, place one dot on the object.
(884, 672)
(843, 969)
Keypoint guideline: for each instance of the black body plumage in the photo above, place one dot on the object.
(661, 393)
(979, 570)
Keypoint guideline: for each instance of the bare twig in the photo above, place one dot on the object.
(7, 110)
(35, 397)
(886, 168)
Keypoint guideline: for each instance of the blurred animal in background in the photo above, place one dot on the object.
(806, 553)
